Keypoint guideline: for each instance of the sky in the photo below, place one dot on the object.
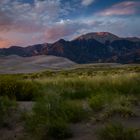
(27, 22)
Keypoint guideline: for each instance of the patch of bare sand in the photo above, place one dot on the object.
(16, 64)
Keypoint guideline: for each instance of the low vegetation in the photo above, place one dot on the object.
(116, 131)
(80, 95)
(7, 109)
(51, 117)
(110, 105)
(48, 119)
(18, 89)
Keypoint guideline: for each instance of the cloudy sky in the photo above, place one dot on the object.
(26, 22)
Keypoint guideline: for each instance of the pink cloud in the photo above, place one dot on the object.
(123, 8)
(62, 29)
(54, 33)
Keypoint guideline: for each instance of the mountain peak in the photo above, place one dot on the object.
(61, 40)
(88, 48)
(103, 33)
(99, 36)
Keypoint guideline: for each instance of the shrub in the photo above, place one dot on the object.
(75, 111)
(27, 91)
(75, 89)
(18, 89)
(7, 108)
(51, 117)
(97, 102)
(58, 128)
(48, 119)
(121, 105)
(118, 105)
(124, 112)
(117, 131)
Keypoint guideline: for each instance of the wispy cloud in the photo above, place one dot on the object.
(87, 2)
(23, 23)
(26, 23)
(20, 16)
(26, 19)
(123, 8)
(67, 29)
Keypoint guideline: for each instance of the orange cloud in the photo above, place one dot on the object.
(4, 43)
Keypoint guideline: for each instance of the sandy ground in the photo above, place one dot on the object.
(17, 64)
(14, 64)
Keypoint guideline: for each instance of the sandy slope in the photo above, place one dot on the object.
(17, 64)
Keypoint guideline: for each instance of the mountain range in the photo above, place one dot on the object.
(102, 47)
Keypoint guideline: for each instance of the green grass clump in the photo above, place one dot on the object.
(124, 112)
(21, 90)
(117, 131)
(109, 105)
(48, 119)
(97, 102)
(7, 109)
(70, 88)
(51, 117)
(121, 105)
(85, 87)
(75, 111)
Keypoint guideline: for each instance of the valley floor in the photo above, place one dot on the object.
(88, 102)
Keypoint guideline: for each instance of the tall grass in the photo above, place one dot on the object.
(84, 87)
(116, 131)
(19, 89)
(7, 109)
(47, 119)
(51, 117)
(109, 105)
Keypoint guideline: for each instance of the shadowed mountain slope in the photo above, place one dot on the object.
(94, 47)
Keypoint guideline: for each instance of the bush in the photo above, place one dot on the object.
(122, 106)
(75, 111)
(75, 89)
(7, 108)
(117, 131)
(124, 112)
(18, 89)
(59, 129)
(51, 117)
(48, 119)
(116, 104)
(97, 102)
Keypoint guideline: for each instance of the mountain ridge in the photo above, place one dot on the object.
(99, 36)
(88, 48)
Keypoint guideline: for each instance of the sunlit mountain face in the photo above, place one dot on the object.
(26, 22)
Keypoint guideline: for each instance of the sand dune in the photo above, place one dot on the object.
(17, 64)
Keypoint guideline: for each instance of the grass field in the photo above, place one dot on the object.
(100, 102)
